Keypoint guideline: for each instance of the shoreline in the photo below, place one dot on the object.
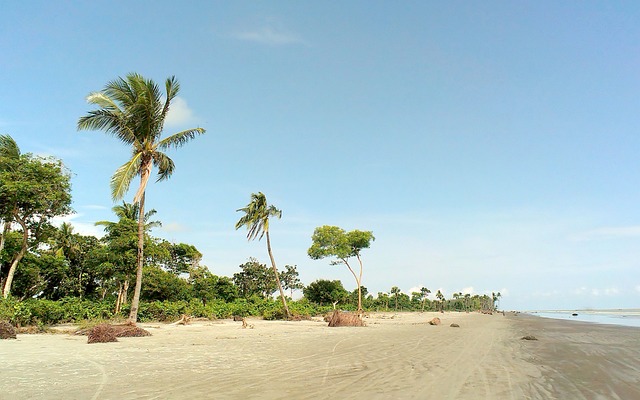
(398, 355)
(582, 360)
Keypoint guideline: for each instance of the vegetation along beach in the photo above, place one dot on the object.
(313, 200)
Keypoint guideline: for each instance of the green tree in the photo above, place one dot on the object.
(118, 263)
(133, 109)
(9, 159)
(255, 279)
(256, 219)
(207, 286)
(291, 279)
(332, 241)
(324, 292)
(440, 298)
(32, 191)
(424, 293)
(395, 291)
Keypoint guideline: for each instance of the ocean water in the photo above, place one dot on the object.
(629, 317)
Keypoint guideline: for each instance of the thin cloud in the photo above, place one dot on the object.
(269, 35)
(609, 232)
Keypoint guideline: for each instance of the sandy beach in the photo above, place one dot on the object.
(396, 356)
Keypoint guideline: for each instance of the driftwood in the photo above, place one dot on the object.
(184, 320)
(345, 319)
(105, 333)
(7, 331)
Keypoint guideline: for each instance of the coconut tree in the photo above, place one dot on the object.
(424, 292)
(134, 110)
(256, 219)
(395, 291)
(440, 298)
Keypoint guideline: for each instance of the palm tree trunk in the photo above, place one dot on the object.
(135, 302)
(275, 271)
(360, 311)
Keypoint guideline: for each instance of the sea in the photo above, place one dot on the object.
(624, 317)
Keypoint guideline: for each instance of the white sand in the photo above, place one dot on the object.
(395, 356)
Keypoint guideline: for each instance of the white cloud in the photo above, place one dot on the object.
(82, 228)
(179, 113)
(173, 227)
(467, 290)
(269, 35)
(611, 291)
(638, 288)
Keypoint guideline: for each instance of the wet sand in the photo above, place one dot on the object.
(395, 356)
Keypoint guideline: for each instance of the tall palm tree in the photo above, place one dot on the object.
(424, 292)
(395, 291)
(133, 109)
(256, 219)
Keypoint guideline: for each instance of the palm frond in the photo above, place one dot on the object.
(123, 176)
(256, 217)
(165, 165)
(179, 139)
(172, 88)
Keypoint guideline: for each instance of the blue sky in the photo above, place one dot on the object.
(489, 146)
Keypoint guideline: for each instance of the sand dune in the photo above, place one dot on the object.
(396, 356)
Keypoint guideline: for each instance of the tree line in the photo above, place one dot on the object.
(57, 263)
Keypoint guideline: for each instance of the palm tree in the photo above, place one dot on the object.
(424, 292)
(127, 213)
(256, 219)
(133, 110)
(395, 291)
(440, 298)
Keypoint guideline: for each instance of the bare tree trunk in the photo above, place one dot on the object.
(16, 259)
(135, 302)
(125, 291)
(118, 299)
(275, 271)
(3, 236)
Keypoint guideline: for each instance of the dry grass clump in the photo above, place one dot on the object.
(529, 337)
(345, 319)
(7, 331)
(105, 333)
(454, 325)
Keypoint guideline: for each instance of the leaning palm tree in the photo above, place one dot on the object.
(256, 219)
(133, 109)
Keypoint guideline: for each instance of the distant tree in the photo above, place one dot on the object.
(33, 190)
(332, 241)
(162, 285)
(207, 286)
(134, 110)
(495, 297)
(395, 291)
(256, 218)
(255, 279)
(325, 292)
(290, 279)
(424, 292)
(440, 298)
